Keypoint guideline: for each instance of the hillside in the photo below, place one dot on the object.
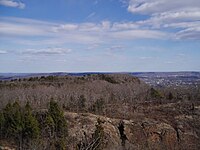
(67, 90)
(107, 111)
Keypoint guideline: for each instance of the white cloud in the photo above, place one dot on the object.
(165, 19)
(181, 55)
(47, 51)
(145, 57)
(116, 48)
(144, 6)
(51, 33)
(189, 33)
(115, 51)
(92, 47)
(3, 52)
(182, 24)
(106, 25)
(169, 62)
(65, 27)
(88, 33)
(12, 3)
(183, 15)
(140, 34)
(159, 6)
(125, 26)
(7, 28)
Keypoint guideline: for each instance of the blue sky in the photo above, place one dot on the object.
(99, 35)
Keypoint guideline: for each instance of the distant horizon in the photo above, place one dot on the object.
(99, 72)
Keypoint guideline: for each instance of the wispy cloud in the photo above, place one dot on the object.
(145, 57)
(159, 6)
(92, 47)
(47, 51)
(91, 15)
(95, 2)
(181, 15)
(140, 34)
(181, 55)
(92, 33)
(3, 52)
(169, 62)
(20, 29)
(116, 48)
(12, 3)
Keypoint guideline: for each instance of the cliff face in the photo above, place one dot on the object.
(131, 134)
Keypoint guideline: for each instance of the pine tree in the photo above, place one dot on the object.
(31, 125)
(49, 125)
(13, 120)
(58, 117)
(17, 118)
(2, 124)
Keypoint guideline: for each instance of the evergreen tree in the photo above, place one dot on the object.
(49, 125)
(31, 125)
(2, 122)
(17, 118)
(58, 117)
(20, 125)
(13, 120)
(8, 119)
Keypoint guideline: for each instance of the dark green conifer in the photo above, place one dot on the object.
(31, 125)
(57, 114)
(2, 122)
(13, 119)
(49, 125)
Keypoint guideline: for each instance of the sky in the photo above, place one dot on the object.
(99, 35)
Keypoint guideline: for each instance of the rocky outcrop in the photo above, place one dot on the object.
(6, 148)
(130, 134)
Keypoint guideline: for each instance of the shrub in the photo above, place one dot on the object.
(155, 94)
